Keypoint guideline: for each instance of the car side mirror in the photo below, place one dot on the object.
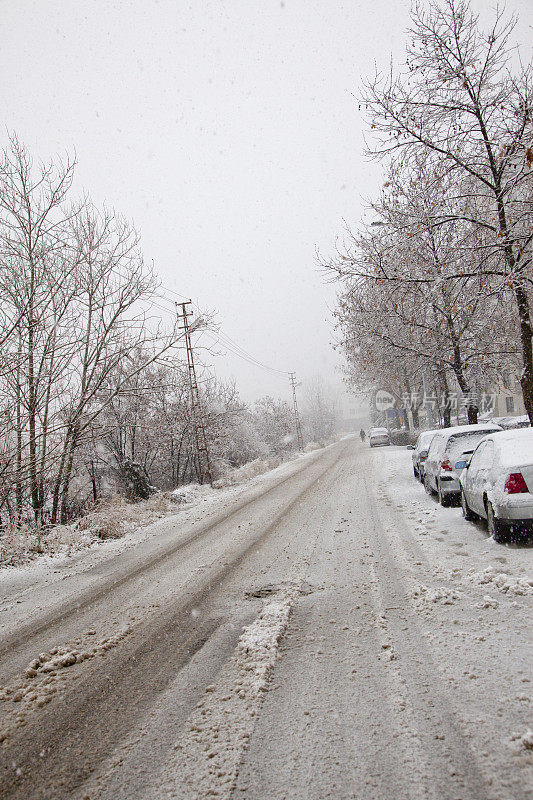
(424, 453)
(410, 447)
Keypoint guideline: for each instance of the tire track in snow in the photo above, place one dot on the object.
(84, 600)
(107, 706)
(446, 760)
(208, 754)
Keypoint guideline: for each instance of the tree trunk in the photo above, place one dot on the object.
(526, 339)
(67, 477)
(92, 472)
(18, 483)
(32, 400)
(446, 409)
(472, 410)
(409, 404)
(522, 303)
(56, 494)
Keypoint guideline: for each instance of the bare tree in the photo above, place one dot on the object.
(319, 409)
(35, 277)
(459, 100)
(398, 287)
(112, 326)
(77, 300)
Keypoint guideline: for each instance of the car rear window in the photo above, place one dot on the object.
(516, 452)
(461, 442)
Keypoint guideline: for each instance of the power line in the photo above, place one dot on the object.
(222, 338)
(225, 340)
(245, 356)
(224, 335)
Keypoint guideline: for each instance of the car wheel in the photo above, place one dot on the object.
(427, 485)
(444, 499)
(415, 473)
(467, 513)
(496, 528)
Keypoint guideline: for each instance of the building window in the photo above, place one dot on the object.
(509, 404)
(506, 379)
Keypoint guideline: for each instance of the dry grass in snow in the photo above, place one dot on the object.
(114, 517)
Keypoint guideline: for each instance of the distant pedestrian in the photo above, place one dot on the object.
(362, 434)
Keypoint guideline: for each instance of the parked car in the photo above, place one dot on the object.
(444, 451)
(378, 436)
(508, 423)
(420, 452)
(497, 483)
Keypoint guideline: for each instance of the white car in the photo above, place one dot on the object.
(497, 484)
(445, 448)
(378, 436)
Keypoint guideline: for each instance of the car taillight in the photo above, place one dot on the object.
(515, 483)
(445, 465)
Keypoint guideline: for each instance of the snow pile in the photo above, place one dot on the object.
(438, 594)
(190, 493)
(312, 446)
(39, 683)
(111, 518)
(114, 517)
(488, 602)
(257, 648)
(248, 471)
(209, 753)
(389, 651)
(259, 466)
(502, 581)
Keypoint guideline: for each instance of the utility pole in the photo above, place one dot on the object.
(197, 413)
(292, 379)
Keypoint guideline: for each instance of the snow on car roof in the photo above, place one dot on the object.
(490, 427)
(379, 430)
(515, 446)
(425, 435)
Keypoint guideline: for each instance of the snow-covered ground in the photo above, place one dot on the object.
(326, 631)
(221, 725)
(75, 548)
(114, 518)
(461, 551)
(410, 674)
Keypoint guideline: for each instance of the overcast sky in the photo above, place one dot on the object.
(228, 132)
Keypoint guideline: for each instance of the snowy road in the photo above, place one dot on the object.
(389, 656)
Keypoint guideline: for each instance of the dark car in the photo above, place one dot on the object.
(420, 453)
(445, 449)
